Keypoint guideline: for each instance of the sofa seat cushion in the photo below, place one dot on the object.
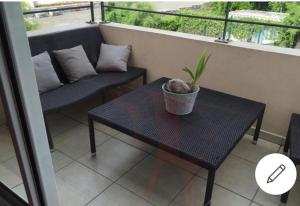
(70, 94)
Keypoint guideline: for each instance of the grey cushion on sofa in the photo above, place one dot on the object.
(74, 63)
(113, 57)
(45, 74)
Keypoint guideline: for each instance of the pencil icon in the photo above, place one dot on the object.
(276, 173)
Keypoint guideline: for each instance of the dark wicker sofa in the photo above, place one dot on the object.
(69, 94)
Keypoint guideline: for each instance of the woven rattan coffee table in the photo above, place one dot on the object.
(205, 137)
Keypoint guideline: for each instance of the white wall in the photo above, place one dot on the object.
(263, 73)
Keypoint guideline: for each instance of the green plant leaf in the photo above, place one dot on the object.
(200, 67)
(189, 71)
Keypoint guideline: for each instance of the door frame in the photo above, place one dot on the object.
(22, 107)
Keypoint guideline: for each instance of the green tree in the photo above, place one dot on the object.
(278, 6)
(29, 24)
(200, 26)
(220, 7)
(262, 6)
(289, 37)
(129, 17)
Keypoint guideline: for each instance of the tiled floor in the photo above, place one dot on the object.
(127, 172)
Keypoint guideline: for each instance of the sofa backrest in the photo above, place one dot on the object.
(89, 37)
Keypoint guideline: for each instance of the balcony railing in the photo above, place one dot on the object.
(65, 8)
(225, 20)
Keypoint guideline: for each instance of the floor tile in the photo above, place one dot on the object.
(13, 166)
(9, 178)
(81, 116)
(193, 195)
(54, 116)
(245, 149)
(114, 158)
(79, 111)
(237, 175)
(266, 199)
(60, 125)
(76, 142)
(7, 150)
(294, 197)
(176, 160)
(60, 160)
(20, 191)
(254, 204)
(116, 196)
(156, 180)
(77, 185)
(78, 114)
(105, 129)
(135, 142)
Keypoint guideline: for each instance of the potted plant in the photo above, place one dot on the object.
(180, 95)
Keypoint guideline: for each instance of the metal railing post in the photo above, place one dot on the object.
(226, 20)
(102, 11)
(223, 38)
(92, 12)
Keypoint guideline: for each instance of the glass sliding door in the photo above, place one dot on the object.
(25, 162)
(10, 173)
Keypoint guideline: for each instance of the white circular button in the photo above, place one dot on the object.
(275, 174)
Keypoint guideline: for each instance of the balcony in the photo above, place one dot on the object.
(129, 172)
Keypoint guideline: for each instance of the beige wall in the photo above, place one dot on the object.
(267, 74)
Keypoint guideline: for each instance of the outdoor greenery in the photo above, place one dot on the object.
(289, 37)
(244, 32)
(29, 24)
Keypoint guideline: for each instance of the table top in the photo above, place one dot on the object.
(204, 137)
(295, 138)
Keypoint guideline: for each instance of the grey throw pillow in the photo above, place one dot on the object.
(45, 74)
(74, 63)
(113, 57)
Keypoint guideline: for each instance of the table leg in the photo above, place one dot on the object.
(209, 187)
(258, 126)
(284, 197)
(92, 137)
(287, 142)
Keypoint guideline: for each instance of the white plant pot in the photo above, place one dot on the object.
(180, 104)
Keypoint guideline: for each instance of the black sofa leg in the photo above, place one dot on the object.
(50, 141)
